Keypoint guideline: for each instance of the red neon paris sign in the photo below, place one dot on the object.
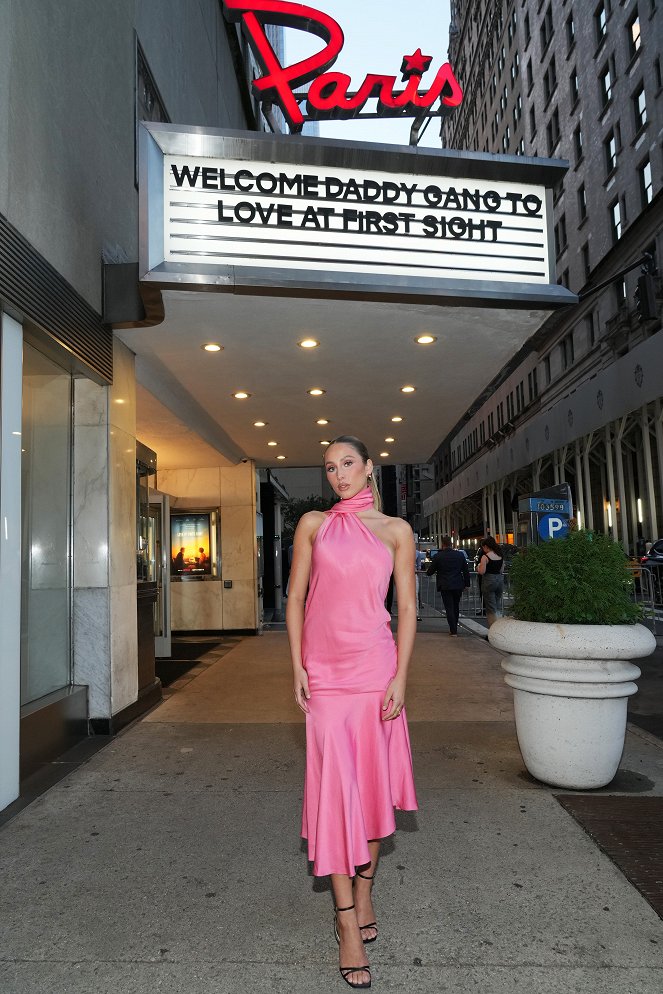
(329, 95)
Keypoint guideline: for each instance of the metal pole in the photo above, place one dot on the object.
(658, 426)
(632, 497)
(589, 507)
(649, 475)
(623, 512)
(278, 565)
(612, 497)
(580, 490)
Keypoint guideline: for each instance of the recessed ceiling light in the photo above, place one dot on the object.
(322, 421)
(425, 339)
(280, 457)
(408, 389)
(383, 454)
(390, 439)
(259, 424)
(325, 441)
(212, 347)
(241, 395)
(272, 443)
(316, 392)
(397, 419)
(308, 343)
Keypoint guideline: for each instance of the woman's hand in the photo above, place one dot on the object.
(302, 694)
(394, 699)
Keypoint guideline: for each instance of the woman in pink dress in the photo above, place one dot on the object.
(349, 679)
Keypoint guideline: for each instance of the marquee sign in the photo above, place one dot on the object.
(329, 94)
(231, 209)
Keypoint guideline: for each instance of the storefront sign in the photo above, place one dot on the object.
(232, 208)
(330, 93)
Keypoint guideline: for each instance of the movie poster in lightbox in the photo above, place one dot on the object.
(190, 542)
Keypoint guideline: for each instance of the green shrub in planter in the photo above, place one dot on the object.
(582, 579)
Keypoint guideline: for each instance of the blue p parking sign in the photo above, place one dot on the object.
(553, 526)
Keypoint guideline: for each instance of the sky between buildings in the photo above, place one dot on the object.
(378, 33)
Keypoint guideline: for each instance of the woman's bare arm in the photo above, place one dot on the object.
(300, 572)
(404, 582)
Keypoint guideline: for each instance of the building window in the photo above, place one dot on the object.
(605, 85)
(560, 235)
(528, 33)
(591, 329)
(644, 176)
(601, 22)
(573, 87)
(582, 202)
(568, 354)
(515, 67)
(639, 108)
(552, 131)
(586, 267)
(633, 34)
(532, 385)
(610, 152)
(570, 32)
(530, 77)
(517, 110)
(149, 105)
(550, 80)
(546, 370)
(577, 144)
(532, 123)
(521, 147)
(546, 31)
(615, 221)
(658, 76)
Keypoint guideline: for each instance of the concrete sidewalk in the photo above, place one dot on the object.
(171, 861)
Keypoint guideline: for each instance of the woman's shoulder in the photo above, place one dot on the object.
(310, 521)
(398, 527)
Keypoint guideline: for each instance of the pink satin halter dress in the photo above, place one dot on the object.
(358, 767)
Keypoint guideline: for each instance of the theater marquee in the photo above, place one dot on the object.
(239, 211)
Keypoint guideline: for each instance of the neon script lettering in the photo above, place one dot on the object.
(329, 95)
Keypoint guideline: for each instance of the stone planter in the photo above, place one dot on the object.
(571, 685)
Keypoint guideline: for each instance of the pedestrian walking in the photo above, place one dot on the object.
(349, 680)
(491, 570)
(449, 566)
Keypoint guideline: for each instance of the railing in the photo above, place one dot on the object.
(647, 591)
(471, 604)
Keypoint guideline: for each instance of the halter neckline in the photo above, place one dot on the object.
(360, 502)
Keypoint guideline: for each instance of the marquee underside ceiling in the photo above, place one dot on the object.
(367, 352)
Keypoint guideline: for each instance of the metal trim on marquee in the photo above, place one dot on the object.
(254, 213)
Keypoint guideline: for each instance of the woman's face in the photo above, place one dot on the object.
(346, 471)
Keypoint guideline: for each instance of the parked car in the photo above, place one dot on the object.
(655, 555)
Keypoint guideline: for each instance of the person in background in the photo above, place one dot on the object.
(491, 570)
(452, 573)
(419, 558)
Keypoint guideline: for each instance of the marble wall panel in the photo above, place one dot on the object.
(196, 606)
(90, 506)
(122, 531)
(90, 403)
(238, 484)
(192, 488)
(122, 406)
(91, 645)
(240, 606)
(238, 543)
(123, 646)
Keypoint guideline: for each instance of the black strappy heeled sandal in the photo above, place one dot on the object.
(374, 925)
(345, 971)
